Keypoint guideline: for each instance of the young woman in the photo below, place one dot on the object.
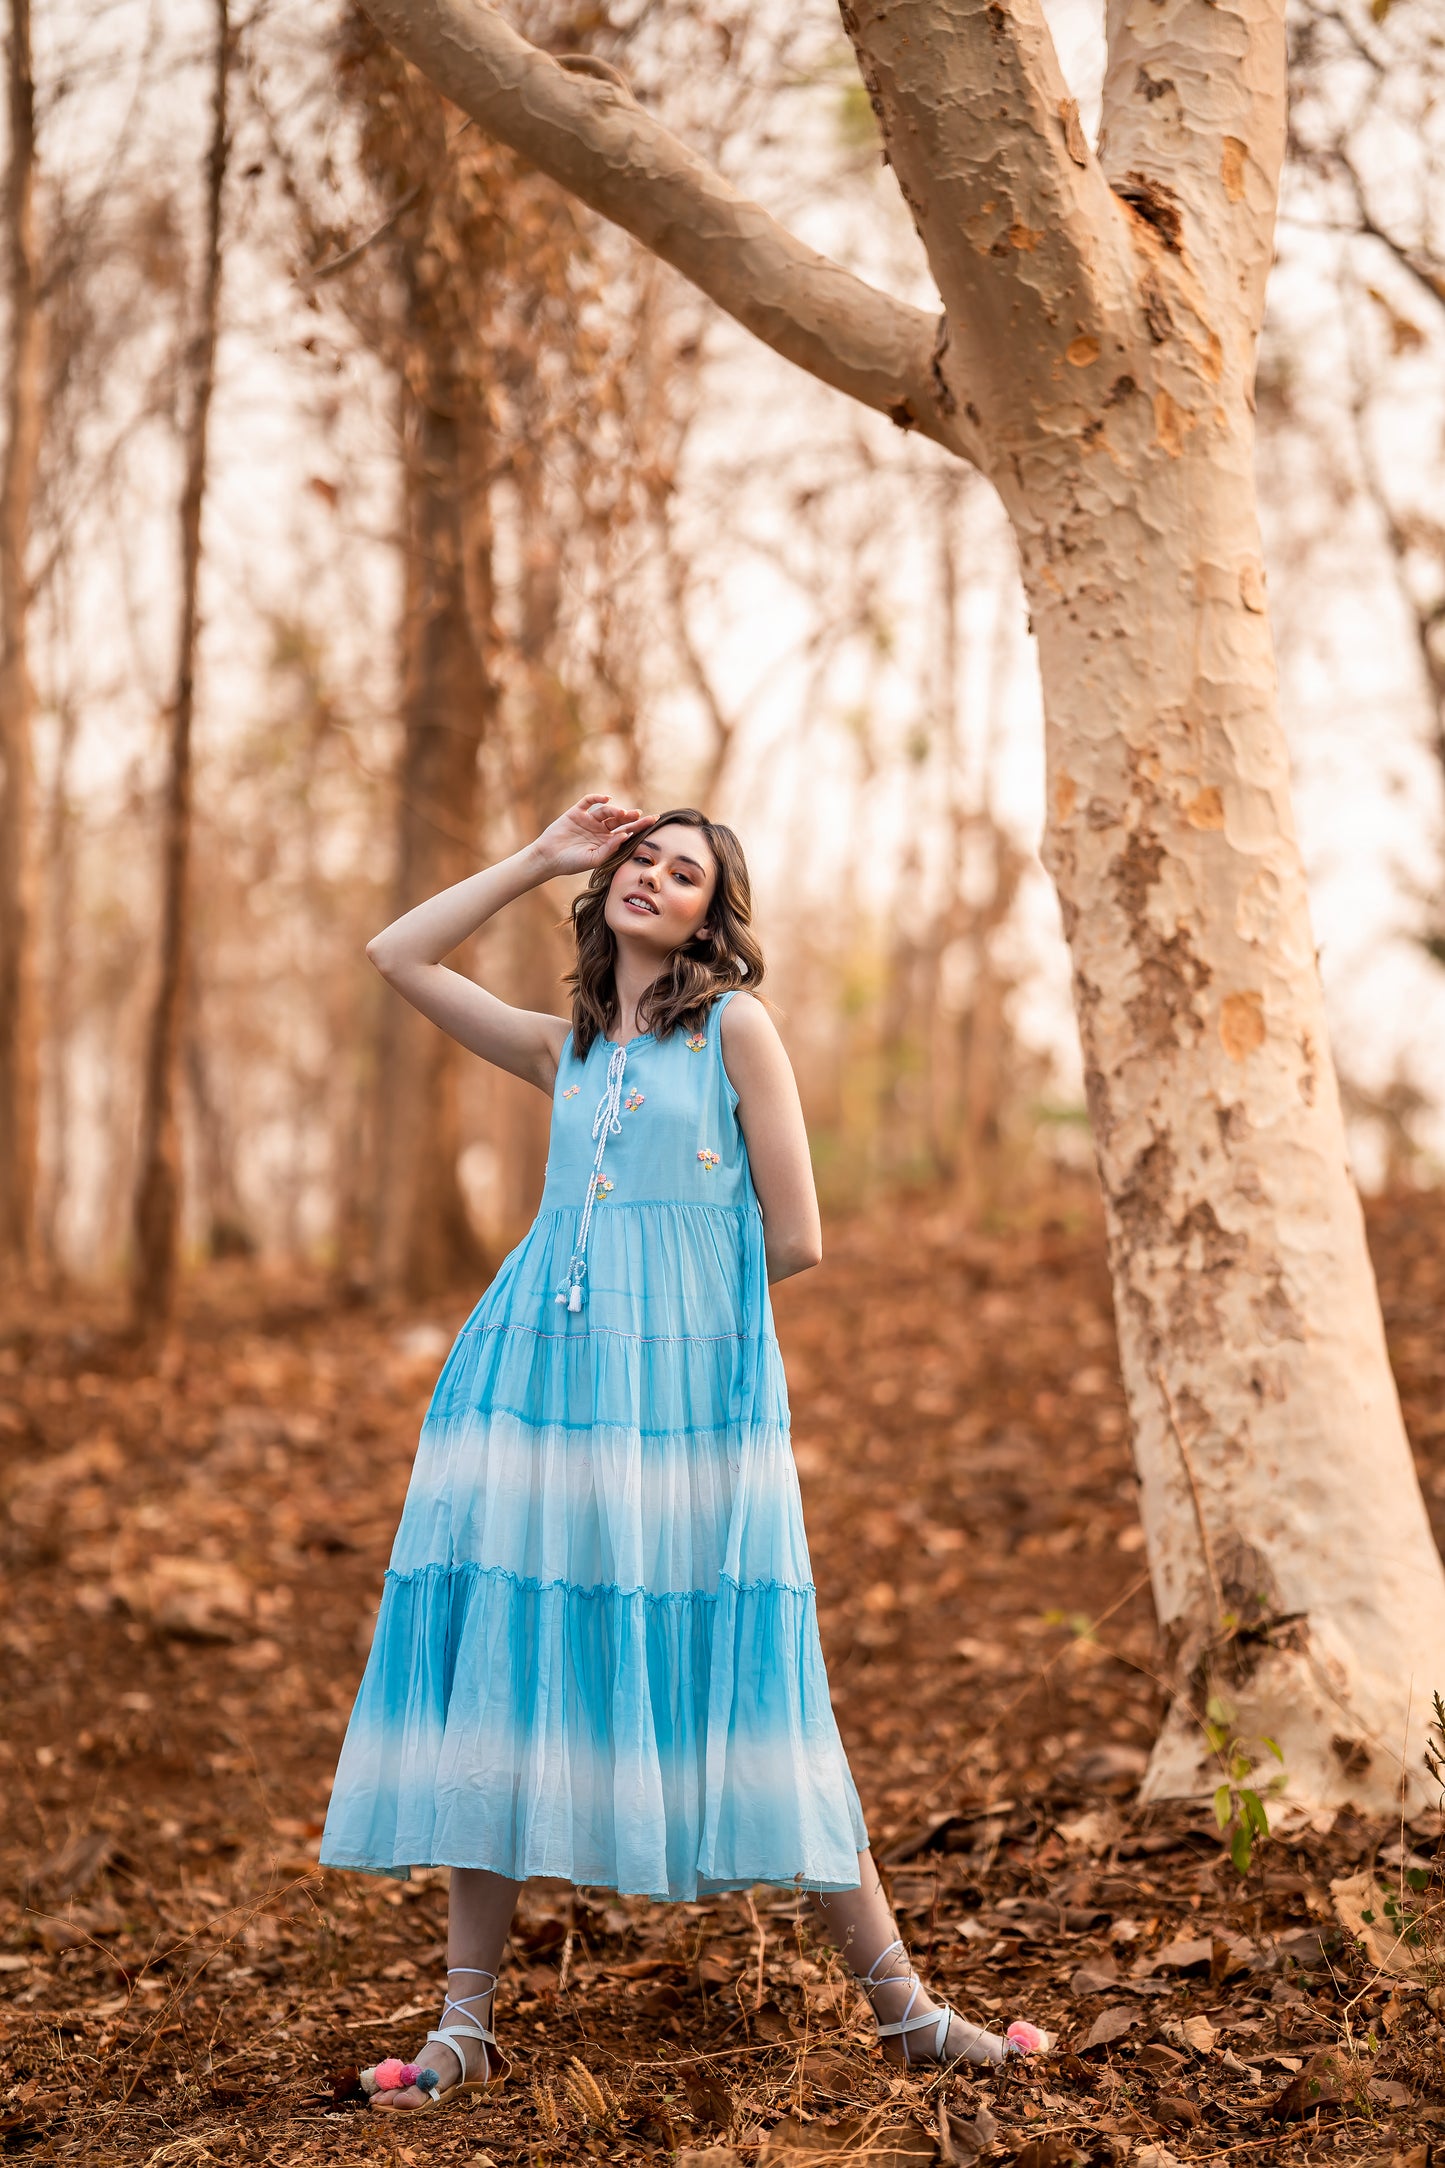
(597, 1654)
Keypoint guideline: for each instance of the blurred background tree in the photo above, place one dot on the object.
(157, 1226)
(495, 512)
(19, 1015)
(1353, 473)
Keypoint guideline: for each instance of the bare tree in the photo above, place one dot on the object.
(508, 364)
(424, 1240)
(1365, 192)
(19, 1017)
(1094, 358)
(158, 1187)
(425, 317)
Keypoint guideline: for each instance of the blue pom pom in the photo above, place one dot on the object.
(427, 2081)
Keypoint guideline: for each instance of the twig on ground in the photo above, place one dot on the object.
(761, 1933)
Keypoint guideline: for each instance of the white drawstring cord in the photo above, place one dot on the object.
(606, 1122)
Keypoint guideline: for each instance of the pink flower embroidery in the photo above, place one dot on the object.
(633, 1101)
(571, 1091)
(697, 1042)
(709, 1160)
(603, 1186)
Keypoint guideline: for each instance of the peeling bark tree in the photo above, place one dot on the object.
(1095, 358)
(19, 1019)
(158, 1184)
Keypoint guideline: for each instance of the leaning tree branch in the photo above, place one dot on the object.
(589, 135)
(1027, 244)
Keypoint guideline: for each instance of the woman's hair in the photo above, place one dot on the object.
(725, 954)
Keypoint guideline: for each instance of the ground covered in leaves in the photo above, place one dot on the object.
(192, 1552)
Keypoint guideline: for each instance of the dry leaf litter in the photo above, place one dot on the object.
(193, 1547)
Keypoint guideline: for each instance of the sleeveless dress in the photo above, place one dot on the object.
(597, 1651)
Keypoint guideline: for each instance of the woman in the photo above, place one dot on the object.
(597, 1653)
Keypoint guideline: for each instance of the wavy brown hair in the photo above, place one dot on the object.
(724, 954)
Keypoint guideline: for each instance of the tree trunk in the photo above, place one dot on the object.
(19, 1008)
(545, 772)
(1111, 389)
(60, 1003)
(424, 1242)
(1095, 359)
(1294, 1572)
(158, 1185)
(226, 1230)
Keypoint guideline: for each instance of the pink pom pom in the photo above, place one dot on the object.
(1026, 2039)
(392, 2075)
(410, 2072)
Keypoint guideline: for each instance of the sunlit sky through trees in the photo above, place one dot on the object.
(815, 542)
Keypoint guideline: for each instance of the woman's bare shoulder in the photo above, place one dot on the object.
(752, 1047)
(747, 1022)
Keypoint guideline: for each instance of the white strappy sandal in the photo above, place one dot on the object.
(978, 2046)
(395, 2076)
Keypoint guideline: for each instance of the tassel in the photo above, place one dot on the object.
(606, 1122)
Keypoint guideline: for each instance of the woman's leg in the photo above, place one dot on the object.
(479, 1916)
(860, 1922)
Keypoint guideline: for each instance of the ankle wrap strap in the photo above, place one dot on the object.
(470, 2026)
(939, 2019)
(870, 1979)
(970, 2044)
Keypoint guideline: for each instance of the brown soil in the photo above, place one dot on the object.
(192, 1552)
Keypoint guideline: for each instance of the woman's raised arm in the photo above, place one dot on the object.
(408, 953)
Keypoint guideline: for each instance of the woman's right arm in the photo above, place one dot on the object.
(408, 953)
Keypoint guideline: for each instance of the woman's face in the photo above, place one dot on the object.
(659, 896)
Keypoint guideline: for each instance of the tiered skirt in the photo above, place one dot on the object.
(597, 1652)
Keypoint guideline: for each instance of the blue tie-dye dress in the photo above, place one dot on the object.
(597, 1653)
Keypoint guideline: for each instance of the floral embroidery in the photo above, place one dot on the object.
(571, 1091)
(603, 1186)
(709, 1160)
(697, 1042)
(633, 1101)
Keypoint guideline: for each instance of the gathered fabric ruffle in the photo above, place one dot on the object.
(655, 1349)
(597, 1652)
(662, 1745)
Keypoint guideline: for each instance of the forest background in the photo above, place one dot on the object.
(364, 500)
(492, 509)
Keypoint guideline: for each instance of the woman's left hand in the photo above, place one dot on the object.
(586, 834)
